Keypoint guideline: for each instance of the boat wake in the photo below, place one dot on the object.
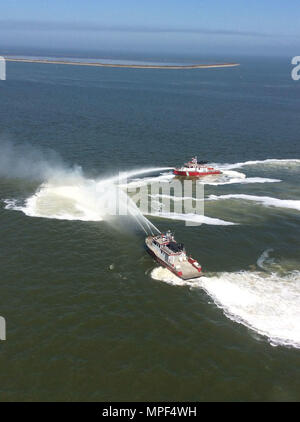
(193, 218)
(266, 302)
(227, 177)
(288, 163)
(230, 177)
(265, 200)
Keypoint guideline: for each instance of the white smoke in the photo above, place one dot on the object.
(65, 192)
(27, 162)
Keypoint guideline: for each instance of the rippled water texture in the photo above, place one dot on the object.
(90, 316)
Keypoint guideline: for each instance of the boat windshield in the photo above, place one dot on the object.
(176, 247)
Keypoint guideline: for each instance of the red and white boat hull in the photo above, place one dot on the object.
(191, 173)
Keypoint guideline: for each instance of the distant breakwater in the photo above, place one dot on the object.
(132, 66)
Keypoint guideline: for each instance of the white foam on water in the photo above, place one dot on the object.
(71, 196)
(10, 203)
(175, 198)
(74, 197)
(274, 161)
(229, 177)
(89, 200)
(193, 218)
(265, 200)
(266, 303)
(260, 180)
(65, 202)
(163, 274)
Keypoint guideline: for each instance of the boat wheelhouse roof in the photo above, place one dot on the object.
(171, 247)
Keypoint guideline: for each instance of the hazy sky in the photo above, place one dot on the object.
(184, 26)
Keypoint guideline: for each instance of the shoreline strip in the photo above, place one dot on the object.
(131, 66)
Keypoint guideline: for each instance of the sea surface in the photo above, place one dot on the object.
(89, 315)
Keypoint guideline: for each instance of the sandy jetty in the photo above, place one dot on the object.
(131, 66)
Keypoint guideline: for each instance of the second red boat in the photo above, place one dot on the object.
(195, 169)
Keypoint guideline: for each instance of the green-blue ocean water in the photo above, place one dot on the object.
(90, 316)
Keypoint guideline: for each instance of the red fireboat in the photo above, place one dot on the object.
(172, 255)
(194, 168)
